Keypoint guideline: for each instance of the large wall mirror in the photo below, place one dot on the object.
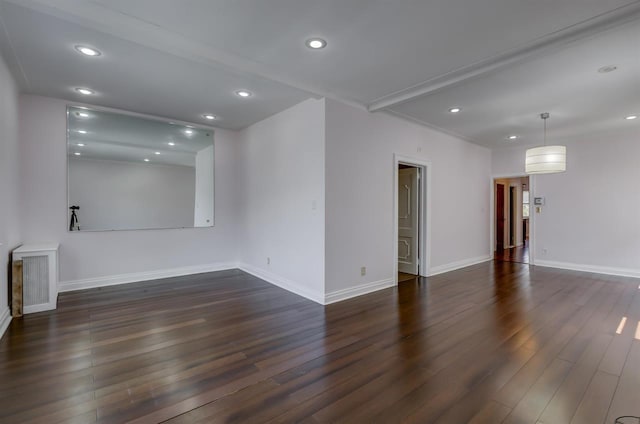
(128, 172)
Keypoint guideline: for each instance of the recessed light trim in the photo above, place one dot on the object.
(512, 137)
(80, 144)
(171, 143)
(81, 131)
(455, 110)
(244, 93)
(85, 91)
(631, 117)
(88, 51)
(146, 159)
(188, 131)
(210, 116)
(77, 153)
(156, 153)
(316, 43)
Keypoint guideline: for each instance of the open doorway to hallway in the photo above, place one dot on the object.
(408, 222)
(512, 235)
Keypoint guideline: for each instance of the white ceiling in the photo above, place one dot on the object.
(565, 83)
(502, 61)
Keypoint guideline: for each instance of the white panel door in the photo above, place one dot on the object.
(408, 209)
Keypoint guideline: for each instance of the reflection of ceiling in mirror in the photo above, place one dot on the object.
(102, 135)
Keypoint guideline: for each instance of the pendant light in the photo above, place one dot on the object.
(546, 159)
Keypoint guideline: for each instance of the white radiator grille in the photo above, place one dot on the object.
(35, 277)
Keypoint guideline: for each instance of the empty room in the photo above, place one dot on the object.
(319, 212)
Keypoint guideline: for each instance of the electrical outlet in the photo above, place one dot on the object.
(268, 260)
(363, 271)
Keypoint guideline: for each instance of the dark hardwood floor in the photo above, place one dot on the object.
(514, 254)
(494, 343)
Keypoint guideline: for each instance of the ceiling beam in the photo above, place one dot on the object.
(540, 46)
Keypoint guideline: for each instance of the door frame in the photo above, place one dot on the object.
(424, 218)
(532, 214)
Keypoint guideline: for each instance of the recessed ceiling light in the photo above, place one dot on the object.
(209, 116)
(82, 114)
(88, 51)
(146, 160)
(188, 131)
(512, 137)
(85, 91)
(81, 131)
(607, 69)
(80, 144)
(77, 153)
(244, 93)
(156, 153)
(316, 43)
(171, 143)
(631, 117)
(455, 109)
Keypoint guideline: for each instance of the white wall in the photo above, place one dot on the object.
(359, 195)
(115, 195)
(282, 186)
(204, 195)
(590, 220)
(9, 207)
(90, 256)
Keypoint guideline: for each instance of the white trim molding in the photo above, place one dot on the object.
(283, 283)
(596, 269)
(344, 294)
(5, 320)
(452, 266)
(134, 277)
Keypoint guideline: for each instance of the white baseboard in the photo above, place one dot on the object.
(452, 266)
(597, 269)
(283, 283)
(134, 277)
(350, 292)
(5, 320)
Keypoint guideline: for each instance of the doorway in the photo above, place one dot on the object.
(408, 221)
(512, 219)
(411, 218)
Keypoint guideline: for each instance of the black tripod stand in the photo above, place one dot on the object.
(74, 225)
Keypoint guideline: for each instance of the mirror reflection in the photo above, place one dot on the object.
(128, 172)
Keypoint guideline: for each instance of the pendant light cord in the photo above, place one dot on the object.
(544, 117)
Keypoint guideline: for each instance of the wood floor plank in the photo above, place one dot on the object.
(595, 403)
(626, 400)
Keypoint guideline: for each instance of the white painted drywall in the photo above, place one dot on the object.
(359, 195)
(590, 217)
(282, 207)
(204, 195)
(9, 201)
(43, 187)
(115, 195)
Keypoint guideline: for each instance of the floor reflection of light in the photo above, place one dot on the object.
(623, 321)
(638, 331)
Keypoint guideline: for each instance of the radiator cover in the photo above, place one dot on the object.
(39, 276)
